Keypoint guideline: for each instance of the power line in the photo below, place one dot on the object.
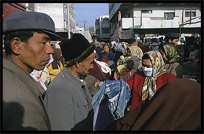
(16, 7)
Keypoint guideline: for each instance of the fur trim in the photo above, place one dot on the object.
(82, 57)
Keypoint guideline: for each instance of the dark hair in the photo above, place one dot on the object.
(170, 37)
(146, 56)
(23, 35)
(106, 44)
(161, 47)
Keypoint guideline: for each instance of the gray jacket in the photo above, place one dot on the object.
(68, 103)
(23, 107)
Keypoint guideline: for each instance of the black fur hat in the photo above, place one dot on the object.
(76, 49)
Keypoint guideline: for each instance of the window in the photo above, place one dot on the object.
(97, 31)
(147, 11)
(105, 30)
(169, 15)
(105, 20)
(188, 12)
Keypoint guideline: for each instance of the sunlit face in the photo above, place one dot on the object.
(147, 63)
(84, 66)
(106, 49)
(35, 53)
(175, 41)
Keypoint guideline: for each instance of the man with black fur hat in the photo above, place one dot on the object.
(27, 46)
(68, 100)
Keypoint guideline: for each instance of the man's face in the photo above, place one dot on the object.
(84, 66)
(175, 41)
(35, 53)
(147, 63)
(106, 49)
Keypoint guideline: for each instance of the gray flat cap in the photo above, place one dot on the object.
(27, 20)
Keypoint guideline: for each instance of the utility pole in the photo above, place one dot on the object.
(85, 25)
(68, 20)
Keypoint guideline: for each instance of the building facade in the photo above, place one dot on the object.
(102, 28)
(129, 20)
(63, 15)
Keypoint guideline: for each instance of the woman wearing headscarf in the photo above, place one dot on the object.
(134, 51)
(171, 59)
(176, 106)
(57, 65)
(145, 83)
(131, 64)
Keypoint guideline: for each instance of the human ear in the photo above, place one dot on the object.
(77, 65)
(15, 45)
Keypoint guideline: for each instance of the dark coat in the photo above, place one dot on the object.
(176, 106)
(23, 107)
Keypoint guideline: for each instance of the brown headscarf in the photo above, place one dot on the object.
(176, 106)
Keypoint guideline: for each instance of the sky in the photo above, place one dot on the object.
(89, 12)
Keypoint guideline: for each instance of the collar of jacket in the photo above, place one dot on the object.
(22, 74)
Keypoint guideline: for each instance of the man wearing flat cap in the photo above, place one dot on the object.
(68, 100)
(27, 46)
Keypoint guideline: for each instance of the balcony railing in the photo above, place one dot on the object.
(149, 23)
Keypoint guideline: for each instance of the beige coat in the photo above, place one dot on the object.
(23, 107)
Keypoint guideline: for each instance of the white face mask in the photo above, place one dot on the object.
(147, 71)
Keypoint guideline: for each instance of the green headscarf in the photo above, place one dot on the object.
(171, 53)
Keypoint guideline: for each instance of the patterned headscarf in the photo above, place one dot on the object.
(171, 53)
(158, 68)
(136, 51)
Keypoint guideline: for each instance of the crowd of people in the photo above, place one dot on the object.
(77, 85)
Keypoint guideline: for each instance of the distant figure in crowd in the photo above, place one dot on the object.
(175, 107)
(132, 53)
(137, 51)
(67, 100)
(45, 76)
(41, 76)
(143, 47)
(174, 38)
(192, 56)
(171, 59)
(27, 44)
(107, 54)
(145, 83)
(57, 65)
(94, 77)
(117, 51)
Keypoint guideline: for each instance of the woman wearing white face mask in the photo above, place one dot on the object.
(145, 83)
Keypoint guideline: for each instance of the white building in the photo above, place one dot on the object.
(102, 28)
(131, 19)
(63, 15)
